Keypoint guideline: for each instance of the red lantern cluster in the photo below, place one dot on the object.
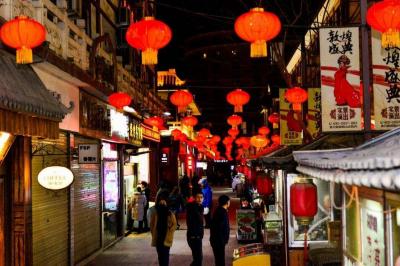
(148, 35)
(238, 98)
(23, 34)
(119, 99)
(296, 96)
(303, 201)
(181, 99)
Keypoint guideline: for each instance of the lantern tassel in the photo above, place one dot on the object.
(149, 57)
(24, 56)
(305, 251)
(181, 109)
(238, 109)
(275, 125)
(391, 38)
(297, 106)
(258, 49)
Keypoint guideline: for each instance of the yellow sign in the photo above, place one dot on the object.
(314, 112)
(290, 122)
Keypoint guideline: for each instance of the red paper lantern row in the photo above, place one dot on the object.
(384, 17)
(181, 99)
(119, 99)
(257, 27)
(259, 141)
(274, 120)
(264, 184)
(234, 120)
(296, 96)
(238, 98)
(303, 201)
(23, 34)
(154, 121)
(148, 35)
(263, 131)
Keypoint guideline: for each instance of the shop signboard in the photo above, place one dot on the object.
(290, 122)
(340, 79)
(111, 186)
(314, 112)
(135, 132)
(55, 177)
(88, 153)
(372, 232)
(119, 125)
(246, 221)
(386, 84)
(95, 117)
(150, 134)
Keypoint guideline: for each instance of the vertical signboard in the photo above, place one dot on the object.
(386, 66)
(341, 92)
(314, 112)
(290, 123)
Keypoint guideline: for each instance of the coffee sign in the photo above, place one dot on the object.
(55, 177)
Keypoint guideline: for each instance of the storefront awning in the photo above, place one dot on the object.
(26, 106)
(376, 163)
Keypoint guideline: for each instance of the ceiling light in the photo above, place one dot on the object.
(166, 113)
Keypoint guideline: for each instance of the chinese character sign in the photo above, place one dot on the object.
(341, 92)
(386, 84)
(291, 125)
(314, 112)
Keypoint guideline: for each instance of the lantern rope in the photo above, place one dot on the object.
(352, 196)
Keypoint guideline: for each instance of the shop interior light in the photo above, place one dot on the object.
(6, 140)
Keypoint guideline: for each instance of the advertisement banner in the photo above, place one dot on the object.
(314, 112)
(290, 123)
(246, 221)
(385, 71)
(341, 92)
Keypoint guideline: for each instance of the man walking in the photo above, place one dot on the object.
(219, 231)
(195, 228)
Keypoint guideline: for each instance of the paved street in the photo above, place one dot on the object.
(136, 249)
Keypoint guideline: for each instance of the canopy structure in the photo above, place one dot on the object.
(374, 164)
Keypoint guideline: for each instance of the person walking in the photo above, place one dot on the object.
(207, 202)
(138, 205)
(219, 231)
(195, 227)
(162, 227)
(146, 192)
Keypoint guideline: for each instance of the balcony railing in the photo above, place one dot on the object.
(70, 42)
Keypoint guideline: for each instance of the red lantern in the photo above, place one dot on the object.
(182, 137)
(154, 121)
(274, 120)
(234, 120)
(233, 132)
(215, 139)
(296, 96)
(119, 99)
(238, 98)
(176, 133)
(263, 131)
(204, 132)
(384, 17)
(259, 141)
(276, 139)
(264, 184)
(181, 99)
(148, 35)
(303, 201)
(23, 34)
(228, 141)
(257, 27)
(189, 121)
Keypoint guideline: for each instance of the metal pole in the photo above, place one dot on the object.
(366, 63)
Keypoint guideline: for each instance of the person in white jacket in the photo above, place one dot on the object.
(138, 204)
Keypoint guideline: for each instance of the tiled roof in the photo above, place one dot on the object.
(22, 91)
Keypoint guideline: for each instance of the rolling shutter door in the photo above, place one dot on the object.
(50, 209)
(86, 205)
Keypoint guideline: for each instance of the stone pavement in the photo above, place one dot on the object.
(136, 249)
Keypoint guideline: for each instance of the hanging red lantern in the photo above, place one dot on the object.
(148, 35)
(176, 133)
(259, 141)
(215, 139)
(228, 141)
(257, 27)
(263, 131)
(296, 96)
(204, 132)
(384, 17)
(303, 201)
(181, 99)
(238, 98)
(155, 121)
(276, 139)
(189, 121)
(182, 137)
(233, 132)
(119, 99)
(264, 184)
(274, 120)
(234, 120)
(23, 34)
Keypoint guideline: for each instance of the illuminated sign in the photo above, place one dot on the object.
(201, 165)
(111, 186)
(109, 151)
(150, 134)
(135, 132)
(55, 177)
(190, 162)
(88, 153)
(119, 125)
